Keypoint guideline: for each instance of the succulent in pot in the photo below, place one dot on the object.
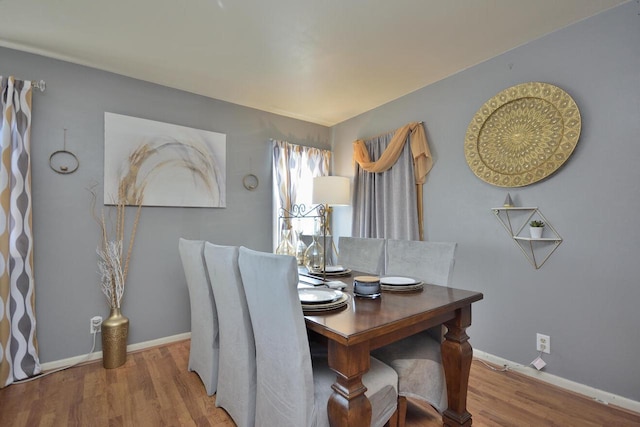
(535, 229)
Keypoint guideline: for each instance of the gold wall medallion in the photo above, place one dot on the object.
(522, 135)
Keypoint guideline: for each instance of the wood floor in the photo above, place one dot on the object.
(154, 388)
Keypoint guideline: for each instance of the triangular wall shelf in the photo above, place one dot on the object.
(515, 221)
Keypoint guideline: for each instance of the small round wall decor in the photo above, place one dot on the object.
(522, 135)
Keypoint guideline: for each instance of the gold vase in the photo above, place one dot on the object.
(115, 330)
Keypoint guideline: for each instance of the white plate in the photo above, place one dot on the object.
(318, 308)
(310, 280)
(403, 288)
(398, 281)
(327, 273)
(334, 268)
(318, 296)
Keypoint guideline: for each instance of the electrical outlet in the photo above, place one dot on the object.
(96, 323)
(543, 343)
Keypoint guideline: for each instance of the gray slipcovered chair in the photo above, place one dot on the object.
(204, 350)
(417, 359)
(293, 389)
(361, 254)
(237, 374)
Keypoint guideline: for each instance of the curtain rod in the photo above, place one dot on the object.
(40, 85)
(386, 133)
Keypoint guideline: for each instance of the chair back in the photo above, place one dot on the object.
(237, 381)
(285, 389)
(204, 350)
(431, 262)
(361, 254)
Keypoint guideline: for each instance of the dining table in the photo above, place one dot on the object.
(365, 324)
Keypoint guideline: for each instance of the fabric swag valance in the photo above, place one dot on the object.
(421, 158)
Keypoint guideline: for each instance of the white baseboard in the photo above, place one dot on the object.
(98, 354)
(585, 390)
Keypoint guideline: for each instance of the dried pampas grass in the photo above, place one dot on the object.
(113, 263)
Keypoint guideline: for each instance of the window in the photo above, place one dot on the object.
(294, 167)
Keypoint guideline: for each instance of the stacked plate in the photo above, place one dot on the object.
(316, 300)
(400, 284)
(332, 271)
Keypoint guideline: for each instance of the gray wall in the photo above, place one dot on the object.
(586, 296)
(66, 237)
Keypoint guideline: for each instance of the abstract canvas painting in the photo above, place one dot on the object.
(160, 164)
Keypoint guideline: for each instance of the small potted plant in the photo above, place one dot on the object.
(535, 228)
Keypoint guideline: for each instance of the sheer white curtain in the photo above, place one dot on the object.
(294, 167)
(18, 344)
(385, 203)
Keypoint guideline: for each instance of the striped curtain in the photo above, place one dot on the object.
(18, 344)
(294, 166)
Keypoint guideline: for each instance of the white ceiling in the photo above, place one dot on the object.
(323, 61)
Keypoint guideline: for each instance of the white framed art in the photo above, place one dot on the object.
(160, 164)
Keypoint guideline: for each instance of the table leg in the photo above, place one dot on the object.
(348, 405)
(456, 359)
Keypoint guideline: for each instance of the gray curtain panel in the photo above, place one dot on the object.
(384, 204)
(18, 345)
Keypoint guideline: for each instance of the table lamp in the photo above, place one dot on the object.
(329, 191)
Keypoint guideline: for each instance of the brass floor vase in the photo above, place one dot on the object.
(115, 330)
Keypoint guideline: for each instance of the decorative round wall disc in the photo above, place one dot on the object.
(522, 135)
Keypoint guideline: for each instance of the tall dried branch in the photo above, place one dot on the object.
(113, 264)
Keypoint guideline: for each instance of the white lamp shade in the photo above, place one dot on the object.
(331, 190)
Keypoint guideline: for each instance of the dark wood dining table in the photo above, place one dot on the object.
(366, 324)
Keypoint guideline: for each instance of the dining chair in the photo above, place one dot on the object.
(294, 389)
(204, 349)
(361, 254)
(417, 359)
(237, 374)
(432, 262)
